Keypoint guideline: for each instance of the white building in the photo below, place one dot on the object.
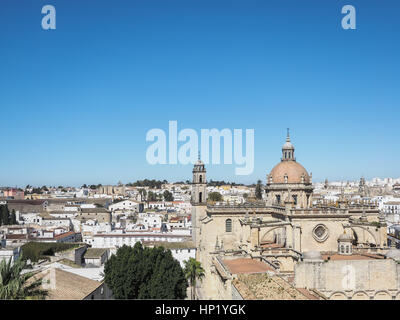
(116, 240)
(124, 206)
(157, 205)
(69, 214)
(183, 254)
(150, 220)
(7, 253)
(30, 218)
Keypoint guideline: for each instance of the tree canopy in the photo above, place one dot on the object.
(213, 183)
(168, 196)
(153, 184)
(14, 285)
(7, 218)
(145, 273)
(215, 196)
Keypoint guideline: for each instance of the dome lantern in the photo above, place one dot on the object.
(288, 149)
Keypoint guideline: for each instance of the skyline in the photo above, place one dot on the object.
(78, 101)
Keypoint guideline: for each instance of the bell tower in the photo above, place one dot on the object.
(199, 202)
(199, 184)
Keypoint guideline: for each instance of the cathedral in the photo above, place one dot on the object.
(285, 231)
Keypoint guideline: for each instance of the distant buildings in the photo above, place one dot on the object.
(130, 206)
(14, 194)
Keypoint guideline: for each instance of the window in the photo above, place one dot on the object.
(342, 248)
(228, 225)
(278, 199)
(295, 199)
(200, 196)
(347, 249)
(320, 233)
(200, 179)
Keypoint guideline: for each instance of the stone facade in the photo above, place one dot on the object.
(351, 279)
(279, 232)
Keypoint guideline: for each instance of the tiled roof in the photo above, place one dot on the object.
(246, 265)
(265, 287)
(66, 285)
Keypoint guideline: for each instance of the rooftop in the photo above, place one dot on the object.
(245, 265)
(171, 245)
(66, 285)
(93, 253)
(265, 287)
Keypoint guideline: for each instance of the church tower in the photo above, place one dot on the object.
(199, 184)
(198, 200)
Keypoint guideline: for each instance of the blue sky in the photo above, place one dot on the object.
(76, 102)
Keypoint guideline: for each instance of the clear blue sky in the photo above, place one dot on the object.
(76, 102)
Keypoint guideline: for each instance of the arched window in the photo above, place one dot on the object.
(200, 196)
(228, 225)
(200, 179)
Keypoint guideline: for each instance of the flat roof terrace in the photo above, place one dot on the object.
(245, 265)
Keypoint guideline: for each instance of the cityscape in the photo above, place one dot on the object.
(284, 238)
(198, 158)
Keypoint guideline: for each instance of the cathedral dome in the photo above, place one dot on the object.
(288, 170)
(294, 171)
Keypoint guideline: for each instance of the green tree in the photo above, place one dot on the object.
(1, 214)
(145, 273)
(215, 196)
(193, 271)
(14, 285)
(259, 190)
(151, 196)
(13, 217)
(143, 193)
(168, 196)
(4, 215)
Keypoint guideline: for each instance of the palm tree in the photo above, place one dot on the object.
(14, 285)
(193, 271)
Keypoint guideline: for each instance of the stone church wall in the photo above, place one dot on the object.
(347, 279)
